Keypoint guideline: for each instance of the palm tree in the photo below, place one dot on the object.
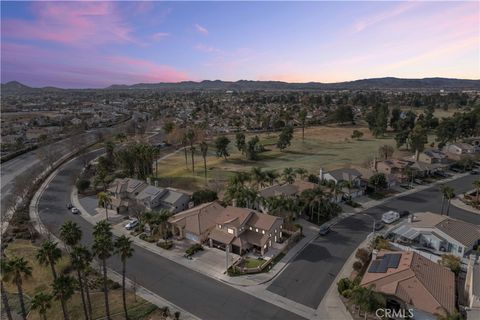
(449, 194)
(258, 177)
(476, 184)
(204, 150)
(125, 250)
(102, 248)
(63, 289)
(80, 263)
(288, 175)
(302, 115)
(70, 234)
(104, 200)
(271, 176)
(48, 255)
(191, 139)
(17, 271)
(81, 260)
(4, 271)
(42, 302)
(184, 145)
(303, 173)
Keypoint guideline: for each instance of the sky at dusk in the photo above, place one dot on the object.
(96, 44)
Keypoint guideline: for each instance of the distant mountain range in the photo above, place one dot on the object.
(388, 83)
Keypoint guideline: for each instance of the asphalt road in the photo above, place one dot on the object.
(194, 292)
(308, 277)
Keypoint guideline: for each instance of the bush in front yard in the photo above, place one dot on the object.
(193, 249)
(357, 266)
(82, 185)
(343, 285)
(167, 245)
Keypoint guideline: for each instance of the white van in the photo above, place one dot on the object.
(390, 216)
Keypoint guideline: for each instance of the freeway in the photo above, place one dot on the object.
(200, 295)
(310, 274)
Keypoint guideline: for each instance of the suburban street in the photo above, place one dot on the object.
(308, 277)
(194, 292)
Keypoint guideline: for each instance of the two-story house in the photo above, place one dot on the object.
(355, 187)
(459, 150)
(241, 229)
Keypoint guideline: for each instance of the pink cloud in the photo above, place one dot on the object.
(160, 35)
(80, 68)
(201, 29)
(71, 23)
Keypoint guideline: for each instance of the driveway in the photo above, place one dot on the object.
(308, 277)
(198, 294)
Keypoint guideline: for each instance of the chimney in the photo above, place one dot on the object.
(234, 202)
(374, 254)
(411, 218)
(320, 176)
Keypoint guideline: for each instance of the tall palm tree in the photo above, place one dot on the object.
(63, 289)
(79, 263)
(81, 260)
(42, 302)
(302, 115)
(103, 248)
(288, 175)
(104, 200)
(70, 234)
(123, 247)
(449, 194)
(4, 271)
(204, 151)
(184, 145)
(19, 270)
(303, 173)
(271, 176)
(258, 177)
(191, 136)
(476, 184)
(48, 255)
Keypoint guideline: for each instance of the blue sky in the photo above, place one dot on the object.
(95, 44)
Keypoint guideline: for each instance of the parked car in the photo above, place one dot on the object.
(69, 206)
(390, 217)
(475, 171)
(74, 210)
(132, 224)
(324, 230)
(378, 225)
(404, 213)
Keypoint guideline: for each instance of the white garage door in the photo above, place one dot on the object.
(192, 237)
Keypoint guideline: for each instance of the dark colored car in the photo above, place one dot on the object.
(404, 213)
(324, 230)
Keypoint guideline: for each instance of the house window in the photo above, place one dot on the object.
(265, 246)
(256, 230)
(230, 230)
(263, 231)
(459, 249)
(251, 228)
(219, 226)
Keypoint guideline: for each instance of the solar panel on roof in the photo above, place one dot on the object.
(373, 266)
(394, 260)
(383, 266)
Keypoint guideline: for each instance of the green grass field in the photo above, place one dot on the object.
(326, 147)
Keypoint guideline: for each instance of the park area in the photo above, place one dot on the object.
(329, 147)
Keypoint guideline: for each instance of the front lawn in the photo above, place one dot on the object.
(251, 263)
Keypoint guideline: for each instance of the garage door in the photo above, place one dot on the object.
(192, 237)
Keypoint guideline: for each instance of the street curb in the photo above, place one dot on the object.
(113, 275)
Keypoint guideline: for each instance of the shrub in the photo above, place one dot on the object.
(450, 261)
(363, 255)
(204, 196)
(357, 266)
(193, 249)
(343, 285)
(82, 185)
(167, 245)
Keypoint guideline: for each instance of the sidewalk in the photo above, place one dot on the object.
(457, 202)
